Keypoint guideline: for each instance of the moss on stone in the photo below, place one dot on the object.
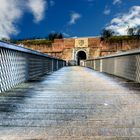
(35, 42)
(116, 39)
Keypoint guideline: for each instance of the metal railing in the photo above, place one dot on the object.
(19, 64)
(126, 65)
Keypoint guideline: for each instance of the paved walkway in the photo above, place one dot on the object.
(74, 103)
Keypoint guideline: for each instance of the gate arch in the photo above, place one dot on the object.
(80, 55)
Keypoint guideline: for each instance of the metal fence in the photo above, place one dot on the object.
(18, 64)
(126, 65)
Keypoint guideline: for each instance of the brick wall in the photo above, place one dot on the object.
(63, 48)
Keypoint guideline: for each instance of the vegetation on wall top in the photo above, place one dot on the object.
(110, 36)
(36, 40)
(53, 36)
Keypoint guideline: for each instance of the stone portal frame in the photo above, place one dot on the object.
(77, 50)
(81, 43)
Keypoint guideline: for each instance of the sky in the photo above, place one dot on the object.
(21, 19)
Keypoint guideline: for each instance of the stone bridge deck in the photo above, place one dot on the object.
(74, 103)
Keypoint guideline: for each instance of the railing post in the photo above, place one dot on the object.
(94, 64)
(101, 65)
(19, 64)
(52, 63)
(57, 63)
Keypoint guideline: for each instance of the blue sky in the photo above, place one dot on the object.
(74, 18)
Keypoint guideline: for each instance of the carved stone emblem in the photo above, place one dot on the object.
(81, 42)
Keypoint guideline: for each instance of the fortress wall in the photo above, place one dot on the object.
(69, 43)
(119, 46)
(94, 42)
(63, 48)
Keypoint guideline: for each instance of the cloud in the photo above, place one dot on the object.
(37, 8)
(90, 0)
(52, 3)
(65, 34)
(11, 11)
(117, 2)
(74, 17)
(107, 11)
(75, 37)
(121, 23)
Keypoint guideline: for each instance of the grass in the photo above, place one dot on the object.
(35, 42)
(116, 39)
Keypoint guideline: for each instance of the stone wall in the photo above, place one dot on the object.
(66, 48)
(94, 42)
(69, 43)
(125, 45)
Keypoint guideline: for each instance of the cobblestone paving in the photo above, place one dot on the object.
(74, 103)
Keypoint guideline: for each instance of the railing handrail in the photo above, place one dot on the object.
(25, 50)
(131, 52)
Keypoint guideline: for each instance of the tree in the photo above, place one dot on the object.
(53, 36)
(138, 31)
(60, 36)
(131, 31)
(5, 40)
(107, 33)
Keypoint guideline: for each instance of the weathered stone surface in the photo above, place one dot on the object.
(74, 103)
(69, 43)
(94, 42)
(93, 46)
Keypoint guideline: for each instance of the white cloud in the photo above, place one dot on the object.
(74, 17)
(75, 37)
(11, 12)
(117, 2)
(107, 11)
(90, 0)
(121, 23)
(37, 8)
(52, 2)
(65, 34)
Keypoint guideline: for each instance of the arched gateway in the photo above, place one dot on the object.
(73, 50)
(81, 56)
(81, 50)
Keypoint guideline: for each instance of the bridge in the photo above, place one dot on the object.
(42, 99)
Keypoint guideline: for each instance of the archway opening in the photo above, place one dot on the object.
(81, 55)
